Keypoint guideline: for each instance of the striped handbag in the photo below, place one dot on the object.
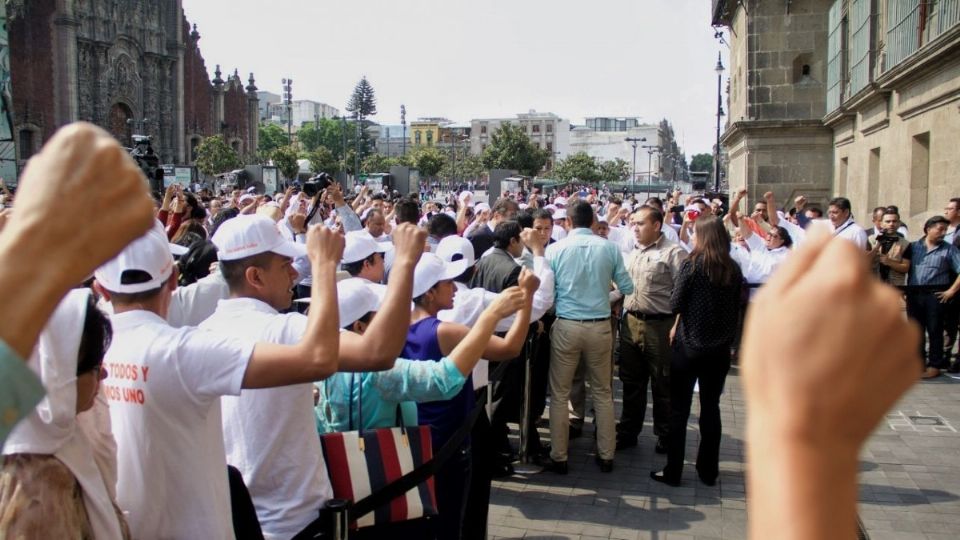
(363, 462)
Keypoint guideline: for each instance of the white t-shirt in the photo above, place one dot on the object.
(164, 387)
(852, 232)
(191, 305)
(270, 434)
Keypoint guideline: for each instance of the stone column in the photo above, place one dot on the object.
(65, 85)
(217, 102)
(253, 117)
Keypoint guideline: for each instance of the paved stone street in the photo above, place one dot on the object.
(909, 482)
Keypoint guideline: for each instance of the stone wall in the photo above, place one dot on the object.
(31, 69)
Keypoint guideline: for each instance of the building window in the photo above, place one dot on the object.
(536, 128)
(919, 174)
(483, 130)
(194, 142)
(549, 146)
(416, 137)
(549, 128)
(483, 147)
(429, 138)
(27, 144)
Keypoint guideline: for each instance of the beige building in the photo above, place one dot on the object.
(775, 138)
(893, 103)
(857, 98)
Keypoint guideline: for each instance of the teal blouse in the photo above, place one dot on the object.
(20, 390)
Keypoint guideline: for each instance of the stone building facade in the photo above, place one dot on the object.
(775, 137)
(894, 105)
(130, 67)
(854, 98)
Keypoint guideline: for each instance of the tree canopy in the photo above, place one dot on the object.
(215, 156)
(701, 163)
(271, 137)
(428, 160)
(579, 166)
(363, 100)
(285, 158)
(510, 148)
(323, 160)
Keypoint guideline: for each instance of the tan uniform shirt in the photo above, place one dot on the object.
(653, 269)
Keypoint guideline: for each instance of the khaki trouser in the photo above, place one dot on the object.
(570, 343)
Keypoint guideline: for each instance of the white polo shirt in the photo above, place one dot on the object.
(164, 387)
(852, 232)
(192, 304)
(270, 434)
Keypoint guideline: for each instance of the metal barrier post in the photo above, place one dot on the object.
(526, 465)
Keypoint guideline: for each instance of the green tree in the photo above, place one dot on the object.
(616, 170)
(377, 163)
(214, 156)
(510, 148)
(271, 137)
(429, 160)
(579, 166)
(323, 160)
(701, 163)
(285, 158)
(309, 136)
(363, 100)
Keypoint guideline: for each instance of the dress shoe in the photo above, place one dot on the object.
(559, 467)
(931, 372)
(501, 470)
(606, 465)
(663, 479)
(955, 368)
(661, 447)
(707, 480)
(624, 442)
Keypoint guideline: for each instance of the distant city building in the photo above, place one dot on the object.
(302, 111)
(266, 100)
(608, 145)
(388, 139)
(546, 130)
(426, 131)
(612, 124)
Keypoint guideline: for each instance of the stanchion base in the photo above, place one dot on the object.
(527, 468)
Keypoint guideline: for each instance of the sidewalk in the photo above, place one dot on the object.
(909, 485)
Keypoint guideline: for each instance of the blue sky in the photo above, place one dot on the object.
(465, 59)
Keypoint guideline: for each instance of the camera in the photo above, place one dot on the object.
(317, 184)
(887, 241)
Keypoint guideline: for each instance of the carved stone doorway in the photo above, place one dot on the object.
(120, 123)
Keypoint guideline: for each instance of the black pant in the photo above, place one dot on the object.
(246, 525)
(686, 367)
(951, 327)
(452, 484)
(644, 358)
(481, 475)
(926, 309)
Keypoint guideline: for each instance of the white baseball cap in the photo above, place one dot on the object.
(150, 254)
(431, 270)
(355, 299)
(480, 207)
(249, 235)
(246, 198)
(560, 213)
(455, 248)
(560, 201)
(360, 245)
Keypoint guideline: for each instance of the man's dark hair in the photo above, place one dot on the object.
(94, 340)
(369, 215)
(655, 202)
(234, 272)
(934, 221)
(354, 268)
(407, 211)
(652, 212)
(955, 200)
(580, 214)
(504, 233)
(784, 235)
(441, 226)
(879, 209)
(816, 211)
(891, 210)
(525, 219)
(132, 277)
(540, 213)
(505, 206)
(842, 203)
(223, 215)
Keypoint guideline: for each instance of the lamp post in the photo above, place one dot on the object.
(716, 159)
(403, 122)
(288, 101)
(634, 141)
(388, 142)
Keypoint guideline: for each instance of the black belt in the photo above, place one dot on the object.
(650, 317)
(585, 320)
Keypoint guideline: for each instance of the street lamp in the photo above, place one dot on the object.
(403, 122)
(288, 101)
(716, 160)
(633, 179)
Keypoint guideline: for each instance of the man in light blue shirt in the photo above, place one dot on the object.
(584, 265)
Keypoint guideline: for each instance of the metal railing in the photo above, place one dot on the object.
(860, 53)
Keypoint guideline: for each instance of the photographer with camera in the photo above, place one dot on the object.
(888, 250)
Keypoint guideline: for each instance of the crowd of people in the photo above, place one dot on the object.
(167, 344)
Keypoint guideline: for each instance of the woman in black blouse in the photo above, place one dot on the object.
(706, 299)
